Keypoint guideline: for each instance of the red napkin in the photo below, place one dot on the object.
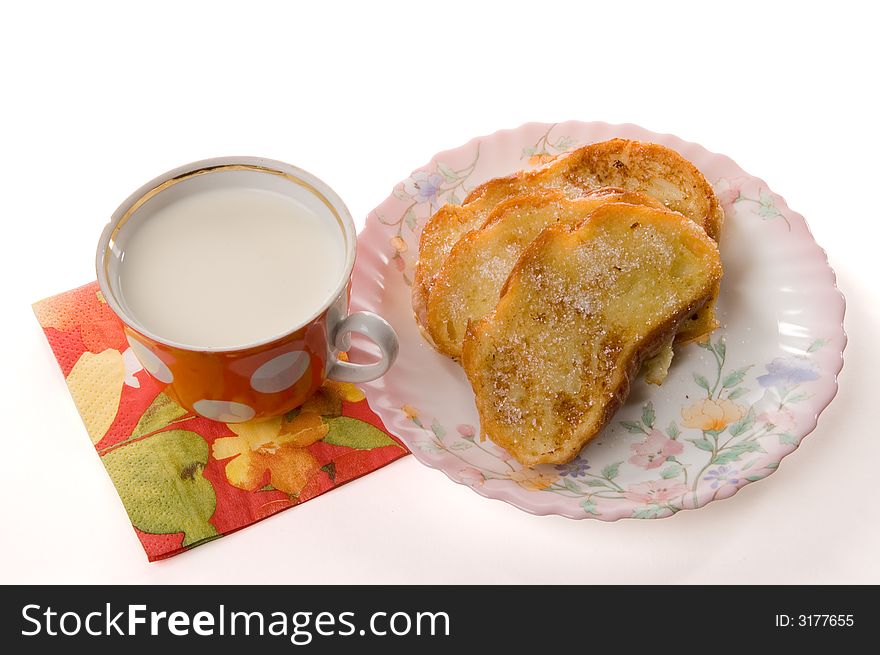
(183, 479)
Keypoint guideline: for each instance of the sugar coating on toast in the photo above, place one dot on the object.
(631, 165)
(581, 310)
(470, 280)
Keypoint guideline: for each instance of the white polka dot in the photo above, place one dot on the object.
(280, 373)
(155, 366)
(224, 410)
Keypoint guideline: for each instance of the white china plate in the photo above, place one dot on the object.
(729, 411)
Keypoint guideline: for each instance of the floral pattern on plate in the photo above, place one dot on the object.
(732, 407)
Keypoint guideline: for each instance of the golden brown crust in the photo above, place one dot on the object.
(635, 166)
(445, 224)
(579, 314)
(470, 280)
(651, 168)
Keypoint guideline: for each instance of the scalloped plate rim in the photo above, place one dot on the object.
(391, 415)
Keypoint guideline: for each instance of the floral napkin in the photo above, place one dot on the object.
(183, 479)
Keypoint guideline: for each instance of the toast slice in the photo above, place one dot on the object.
(470, 280)
(579, 313)
(650, 168)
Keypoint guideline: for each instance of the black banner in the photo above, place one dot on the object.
(436, 619)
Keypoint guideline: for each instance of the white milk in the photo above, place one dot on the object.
(227, 267)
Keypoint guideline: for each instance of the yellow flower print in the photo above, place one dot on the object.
(345, 390)
(324, 403)
(95, 382)
(301, 430)
(398, 244)
(277, 446)
(411, 412)
(711, 414)
(327, 401)
(541, 158)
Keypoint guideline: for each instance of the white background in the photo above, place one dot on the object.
(97, 99)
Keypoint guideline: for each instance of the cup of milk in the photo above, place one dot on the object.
(232, 277)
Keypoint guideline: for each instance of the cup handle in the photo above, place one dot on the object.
(377, 330)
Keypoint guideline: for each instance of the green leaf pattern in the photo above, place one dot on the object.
(353, 433)
(158, 470)
(161, 485)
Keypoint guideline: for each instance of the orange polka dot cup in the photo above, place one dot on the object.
(232, 277)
